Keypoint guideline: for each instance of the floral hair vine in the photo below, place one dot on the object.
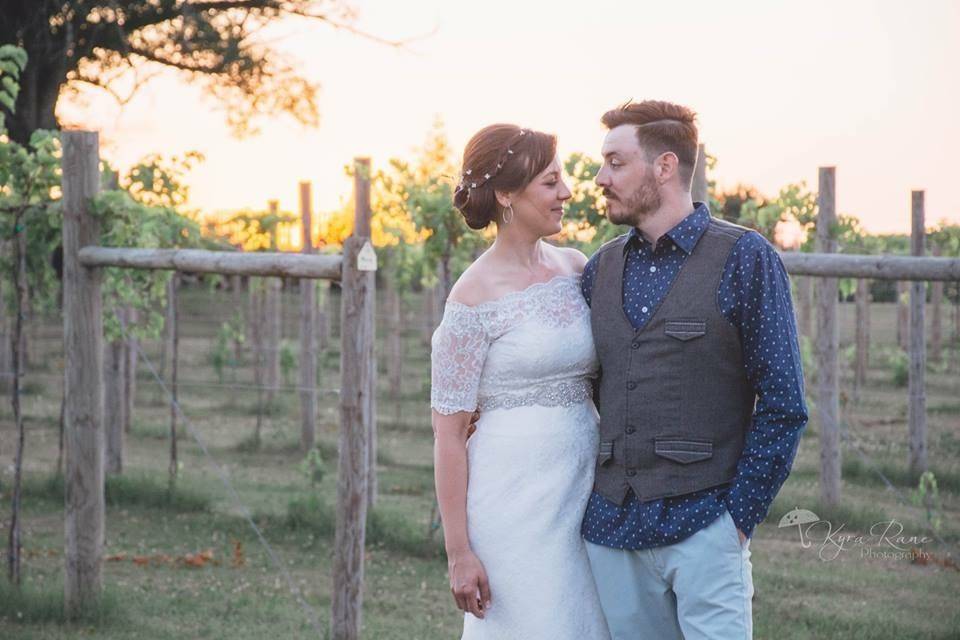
(468, 181)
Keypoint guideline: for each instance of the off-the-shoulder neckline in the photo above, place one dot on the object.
(518, 292)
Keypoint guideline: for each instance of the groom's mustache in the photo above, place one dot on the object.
(609, 195)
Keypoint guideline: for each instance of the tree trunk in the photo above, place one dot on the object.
(40, 83)
(20, 280)
(6, 350)
(63, 416)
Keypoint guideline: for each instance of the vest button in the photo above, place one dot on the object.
(635, 345)
(631, 385)
(631, 472)
(631, 430)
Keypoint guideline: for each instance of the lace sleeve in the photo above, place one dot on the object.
(458, 350)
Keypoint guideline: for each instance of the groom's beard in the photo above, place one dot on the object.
(638, 206)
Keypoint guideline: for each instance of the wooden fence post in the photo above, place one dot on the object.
(826, 346)
(699, 190)
(114, 379)
(903, 315)
(918, 347)
(272, 329)
(308, 341)
(936, 303)
(356, 335)
(862, 298)
(83, 346)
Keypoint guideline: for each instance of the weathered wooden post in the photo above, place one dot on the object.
(903, 315)
(308, 325)
(114, 378)
(918, 347)
(805, 305)
(83, 346)
(356, 340)
(862, 298)
(826, 345)
(936, 303)
(699, 192)
(130, 319)
(272, 330)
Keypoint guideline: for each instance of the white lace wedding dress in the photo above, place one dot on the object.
(526, 361)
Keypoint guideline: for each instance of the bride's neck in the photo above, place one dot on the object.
(520, 250)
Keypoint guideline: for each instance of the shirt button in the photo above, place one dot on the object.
(643, 309)
(631, 385)
(653, 269)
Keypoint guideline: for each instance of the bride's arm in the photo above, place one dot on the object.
(468, 580)
(459, 349)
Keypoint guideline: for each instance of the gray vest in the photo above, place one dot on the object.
(674, 401)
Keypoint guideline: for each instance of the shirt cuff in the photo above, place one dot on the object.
(746, 507)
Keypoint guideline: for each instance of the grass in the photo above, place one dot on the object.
(43, 605)
(406, 594)
(134, 488)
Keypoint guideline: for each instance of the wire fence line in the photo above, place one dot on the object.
(310, 613)
(223, 385)
(848, 436)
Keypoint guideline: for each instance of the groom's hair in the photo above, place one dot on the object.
(661, 127)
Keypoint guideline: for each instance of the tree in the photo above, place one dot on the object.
(105, 43)
(28, 218)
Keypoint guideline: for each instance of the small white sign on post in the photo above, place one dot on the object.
(367, 258)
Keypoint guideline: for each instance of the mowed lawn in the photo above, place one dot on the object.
(192, 567)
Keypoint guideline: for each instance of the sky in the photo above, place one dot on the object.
(781, 88)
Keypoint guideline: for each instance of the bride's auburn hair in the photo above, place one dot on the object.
(499, 157)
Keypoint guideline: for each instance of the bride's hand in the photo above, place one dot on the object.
(468, 582)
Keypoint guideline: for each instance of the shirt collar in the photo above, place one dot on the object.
(685, 234)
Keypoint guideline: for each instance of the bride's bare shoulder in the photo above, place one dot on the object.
(475, 285)
(572, 258)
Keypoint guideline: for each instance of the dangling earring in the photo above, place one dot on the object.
(509, 210)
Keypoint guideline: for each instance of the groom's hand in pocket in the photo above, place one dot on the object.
(468, 583)
(473, 423)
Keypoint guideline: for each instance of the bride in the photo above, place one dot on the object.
(515, 343)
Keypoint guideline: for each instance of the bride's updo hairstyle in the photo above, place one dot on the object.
(500, 157)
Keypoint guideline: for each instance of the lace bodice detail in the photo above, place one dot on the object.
(529, 347)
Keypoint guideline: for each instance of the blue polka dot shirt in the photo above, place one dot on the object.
(754, 296)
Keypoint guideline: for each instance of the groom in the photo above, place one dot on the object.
(700, 395)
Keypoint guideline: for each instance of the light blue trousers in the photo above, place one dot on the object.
(696, 589)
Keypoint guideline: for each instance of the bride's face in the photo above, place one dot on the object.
(539, 206)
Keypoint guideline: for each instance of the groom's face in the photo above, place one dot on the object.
(626, 177)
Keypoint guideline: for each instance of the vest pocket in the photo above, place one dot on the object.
(685, 329)
(606, 452)
(683, 450)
